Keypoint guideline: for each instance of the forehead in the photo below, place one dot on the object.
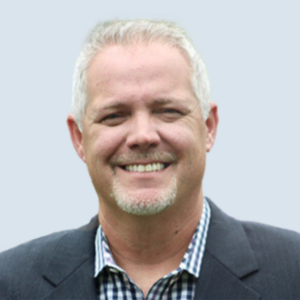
(139, 76)
(136, 62)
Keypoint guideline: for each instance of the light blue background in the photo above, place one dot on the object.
(251, 49)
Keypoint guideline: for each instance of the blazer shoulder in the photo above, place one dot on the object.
(271, 235)
(264, 258)
(41, 248)
(277, 250)
(23, 268)
(22, 265)
(28, 254)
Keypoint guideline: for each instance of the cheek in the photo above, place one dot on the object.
(185, 140)
(105, 143)
(189, 146)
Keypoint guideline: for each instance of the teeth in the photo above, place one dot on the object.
(145, 168)
(141, 168)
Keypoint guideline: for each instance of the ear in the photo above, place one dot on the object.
(76, 136)
(211, 126)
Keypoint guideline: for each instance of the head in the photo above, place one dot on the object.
(120, 32)
(142, 120)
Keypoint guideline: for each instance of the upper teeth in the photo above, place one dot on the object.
(145, 168)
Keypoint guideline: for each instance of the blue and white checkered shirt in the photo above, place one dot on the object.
(115, 284)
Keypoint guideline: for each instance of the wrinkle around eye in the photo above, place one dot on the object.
(170, 114)
(113, 119)
(171, 111)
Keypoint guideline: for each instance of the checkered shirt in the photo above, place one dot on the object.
(114, 283)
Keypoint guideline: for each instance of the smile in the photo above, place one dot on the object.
(145, 168)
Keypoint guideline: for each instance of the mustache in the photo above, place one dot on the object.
(131, 158)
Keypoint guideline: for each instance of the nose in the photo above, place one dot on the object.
(143, 133)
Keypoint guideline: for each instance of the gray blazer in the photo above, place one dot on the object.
(242, 260)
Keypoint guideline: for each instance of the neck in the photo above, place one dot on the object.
(150, 245)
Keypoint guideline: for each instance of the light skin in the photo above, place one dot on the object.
(141, 101)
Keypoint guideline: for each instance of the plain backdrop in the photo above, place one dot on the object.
(251, 49)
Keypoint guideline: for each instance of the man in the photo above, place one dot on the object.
(142, 121)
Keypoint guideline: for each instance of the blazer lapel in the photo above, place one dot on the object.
(79, 285)
(71, 268)
(217, 282)
(227, 260)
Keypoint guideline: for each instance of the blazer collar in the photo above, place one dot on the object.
(71, 272)
(228, 258)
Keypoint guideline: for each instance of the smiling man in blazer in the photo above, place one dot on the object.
(142, 121)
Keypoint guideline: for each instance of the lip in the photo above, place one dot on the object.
(166, 165)
(143, 159)
(142, 178)
(145, 162)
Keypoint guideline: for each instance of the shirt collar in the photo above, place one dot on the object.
(192, 258)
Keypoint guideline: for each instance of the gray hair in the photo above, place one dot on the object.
(121, 32)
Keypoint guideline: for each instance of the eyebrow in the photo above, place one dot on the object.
(117, 104)
(163, 101)
(120, 104)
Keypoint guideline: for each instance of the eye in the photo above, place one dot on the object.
(169, 114)
(113, 119)
(171, 111)
(111, 116)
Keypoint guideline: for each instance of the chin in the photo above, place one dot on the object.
(144, 203)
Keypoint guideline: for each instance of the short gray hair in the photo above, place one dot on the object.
(121, 32)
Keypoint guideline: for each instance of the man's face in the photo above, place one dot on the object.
(144, 139)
